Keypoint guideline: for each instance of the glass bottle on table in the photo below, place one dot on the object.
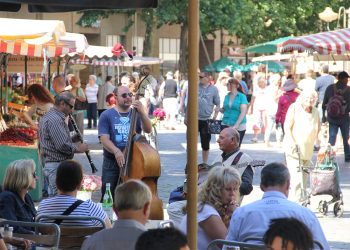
(107, 203)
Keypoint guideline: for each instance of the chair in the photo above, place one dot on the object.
(72, 237)
(46, 234)
(218, 244)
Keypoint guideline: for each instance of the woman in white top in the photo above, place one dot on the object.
(218, 197)
(91, 95)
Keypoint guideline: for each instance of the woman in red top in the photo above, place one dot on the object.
(289, 97)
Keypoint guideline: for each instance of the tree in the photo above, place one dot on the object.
(89, 18)
(265, 20)
(252, 21)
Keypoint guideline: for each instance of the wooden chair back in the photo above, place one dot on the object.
(72, 237)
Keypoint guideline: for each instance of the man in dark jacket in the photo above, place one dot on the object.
(341, 121)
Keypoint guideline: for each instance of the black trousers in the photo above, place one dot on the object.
(92, 114)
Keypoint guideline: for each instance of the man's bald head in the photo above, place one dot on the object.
(58, 84)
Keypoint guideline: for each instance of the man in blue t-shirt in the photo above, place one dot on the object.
(113, 130)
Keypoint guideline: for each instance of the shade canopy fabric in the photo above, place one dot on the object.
(268, 47)
(31, 37)
(330, 42)
(221, 64)
(136, 62)
(31, 31)
(74, 5)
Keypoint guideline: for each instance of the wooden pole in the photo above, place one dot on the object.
(25, 74)
(192, 121)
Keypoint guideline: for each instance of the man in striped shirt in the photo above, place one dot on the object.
(55, 141)
(69, 179)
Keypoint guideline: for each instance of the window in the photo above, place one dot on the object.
(111, 40)
(137, 41)
(169, 49)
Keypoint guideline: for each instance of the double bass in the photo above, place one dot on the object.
(142, 161)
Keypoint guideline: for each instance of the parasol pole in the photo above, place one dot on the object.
(6, 83)
(25, 74)
(192, 121)
(2, 82)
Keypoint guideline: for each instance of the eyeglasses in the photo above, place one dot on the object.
(70, 105)
(34, 175)
(124, 95)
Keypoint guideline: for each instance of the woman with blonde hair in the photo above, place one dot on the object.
(217, 199)
(15, 202)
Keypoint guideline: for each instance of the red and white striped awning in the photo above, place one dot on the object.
(330, 42)
(25, 49)
(38, 38)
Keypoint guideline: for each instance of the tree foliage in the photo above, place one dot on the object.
(253, 21)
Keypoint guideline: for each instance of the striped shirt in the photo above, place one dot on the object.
(55, 141)
(59, 203)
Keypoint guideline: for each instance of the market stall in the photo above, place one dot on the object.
(103, 56)
(28, 38)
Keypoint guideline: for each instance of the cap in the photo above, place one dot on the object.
(343, 75)
(169, 73)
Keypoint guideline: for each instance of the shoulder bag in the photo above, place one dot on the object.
(79, 105)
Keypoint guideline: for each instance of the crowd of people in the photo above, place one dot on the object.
(296, 110)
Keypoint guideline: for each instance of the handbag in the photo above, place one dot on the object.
(324, 182)
(79, 105)
(214, 126)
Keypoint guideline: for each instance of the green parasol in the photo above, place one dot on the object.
(272, 66)
(221, 64)
(268, 47)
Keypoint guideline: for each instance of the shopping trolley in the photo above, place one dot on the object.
(324, 180)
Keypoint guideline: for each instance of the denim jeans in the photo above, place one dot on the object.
(50, 172)
(110, 174)
(343, 124)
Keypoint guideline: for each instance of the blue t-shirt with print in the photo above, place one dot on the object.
(117, 126)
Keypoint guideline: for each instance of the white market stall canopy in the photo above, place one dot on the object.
(330, 42)
(103, 56)
(38, 38)
(136, 62)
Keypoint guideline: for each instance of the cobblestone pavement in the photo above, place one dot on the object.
(172, 150)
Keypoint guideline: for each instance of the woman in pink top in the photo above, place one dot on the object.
(285, 101)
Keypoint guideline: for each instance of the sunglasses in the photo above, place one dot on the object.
(201, 77)
(34, 175)
(124, 95)
(70, 105)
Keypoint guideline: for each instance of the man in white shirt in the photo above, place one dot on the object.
(252, 220)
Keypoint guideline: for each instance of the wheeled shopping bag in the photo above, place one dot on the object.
(324, 180)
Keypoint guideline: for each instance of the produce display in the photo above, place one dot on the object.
(18, 136)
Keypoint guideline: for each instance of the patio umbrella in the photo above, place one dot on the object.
(272, 66)
(329, 42)
(220, 65)
(268, 47)
(74, 5)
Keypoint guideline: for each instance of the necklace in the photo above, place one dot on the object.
(116, 109)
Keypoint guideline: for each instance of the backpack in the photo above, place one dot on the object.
(336, 106)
